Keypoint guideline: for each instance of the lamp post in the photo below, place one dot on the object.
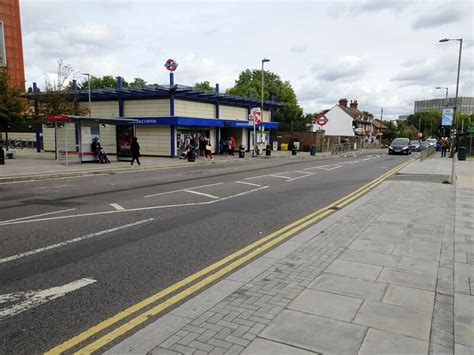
(457, 91)
(445, 88)
(264, 60)
(89, 84)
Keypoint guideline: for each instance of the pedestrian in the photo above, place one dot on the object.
(202, 145)
(135, 148)
(96, 148)
(232, 145)
(208, 150)
(444, 146)
(226, 147)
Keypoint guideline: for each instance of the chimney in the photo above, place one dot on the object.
(354, 104)
(343, 102)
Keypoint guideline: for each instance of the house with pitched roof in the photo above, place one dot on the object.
(348, 121)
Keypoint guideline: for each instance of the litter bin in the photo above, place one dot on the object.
(293, 151)
(192, 155)
(242, 151)
(2, 156)
(462, 153)
(268, 150)
(313, 150)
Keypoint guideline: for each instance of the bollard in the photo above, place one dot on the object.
(2, 156)
(268, 150)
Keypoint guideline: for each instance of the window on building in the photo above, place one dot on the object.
(3, 58)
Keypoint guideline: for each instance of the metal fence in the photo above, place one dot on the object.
(18, 144)
(341, 148)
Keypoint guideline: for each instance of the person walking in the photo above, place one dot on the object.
(444, 146)
(135, 148)
(208, 150)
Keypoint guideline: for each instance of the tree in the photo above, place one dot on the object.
(138, 83)
(12, 106)
(204, 85)
(58, 98)
(430, 122)
(107, 81)
(290, 116)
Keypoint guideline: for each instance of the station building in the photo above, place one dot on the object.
(167, 117)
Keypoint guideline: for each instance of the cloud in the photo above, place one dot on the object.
(341, 68)
(299, 49)
(377, 5)
(440, 16)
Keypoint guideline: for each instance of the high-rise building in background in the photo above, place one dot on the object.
(11, 45)
(465, 104)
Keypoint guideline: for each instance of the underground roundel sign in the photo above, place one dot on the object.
(321, 120)
(171, 65)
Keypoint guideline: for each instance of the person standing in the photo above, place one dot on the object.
(135, 148)
(208, 149)
(232, 145)
(444, 146)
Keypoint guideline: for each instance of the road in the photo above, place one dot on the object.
(76, 251)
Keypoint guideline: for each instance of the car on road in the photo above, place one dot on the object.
(415, 145)
(432, 141)
(399, 146)
(424, 145)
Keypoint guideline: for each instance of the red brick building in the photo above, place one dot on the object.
(11, 46)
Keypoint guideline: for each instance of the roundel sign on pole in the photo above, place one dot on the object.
(321, 120)
(171, 65)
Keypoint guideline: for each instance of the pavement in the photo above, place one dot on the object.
(393, 272)
(29, 165)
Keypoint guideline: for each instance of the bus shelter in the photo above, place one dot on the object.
(73, 136)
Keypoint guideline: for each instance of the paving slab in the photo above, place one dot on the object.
(411, 298)
(325, 304)
(394, 319)
(315, 333)
(349, 286)
(370, 258)
(418, 265)
(408, 278)
(379, 342)
(356, 270)
(263, 346)
(371, 246)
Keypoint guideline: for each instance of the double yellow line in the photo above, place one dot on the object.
(233, 261)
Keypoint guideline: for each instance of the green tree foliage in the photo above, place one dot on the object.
(138, 83)
(12, 106)
(430, 122)
(291, 116)
(107, 81)
(394, 131)
(204, 85)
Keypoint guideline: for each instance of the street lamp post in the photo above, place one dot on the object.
(457, 91)
(89, 85)
(264, 60)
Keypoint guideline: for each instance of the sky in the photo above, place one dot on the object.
(380, 53)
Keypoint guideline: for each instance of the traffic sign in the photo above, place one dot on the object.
(171, 65)
(321, 120)
(255, 115)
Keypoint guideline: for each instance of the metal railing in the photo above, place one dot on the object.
(18, 144)
(341, 148)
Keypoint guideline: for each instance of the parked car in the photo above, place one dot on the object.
(424, 145)
(400, 146)
(432, 141)
(415, 145)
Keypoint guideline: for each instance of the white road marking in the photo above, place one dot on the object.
(247, 183)
(134, 209)
(117, 206)
(189, 188)
(277, 175)
(269, 175)
(327, 167)
(71, 241)
(37, 215)
(31, 299)
(201, 193)
(307, 173)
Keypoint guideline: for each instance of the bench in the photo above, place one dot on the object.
(79, 156)
(10, 154)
